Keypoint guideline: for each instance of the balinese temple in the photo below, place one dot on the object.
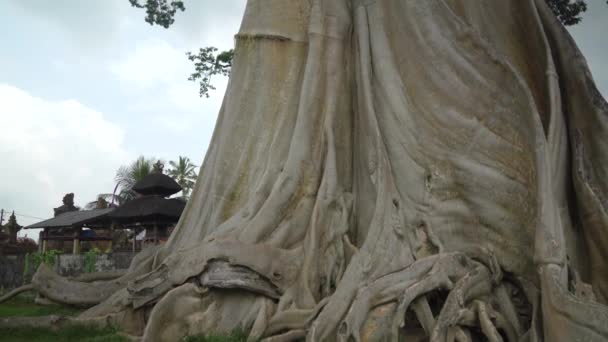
(8, 232)
(151, 210)
(65, 231)
(8, 238)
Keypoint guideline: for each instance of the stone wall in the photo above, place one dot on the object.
(72, 265)
(11, 270)
(12, 266)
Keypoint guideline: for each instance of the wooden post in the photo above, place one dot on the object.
(76, 249)
(134, 236)
(111, 236)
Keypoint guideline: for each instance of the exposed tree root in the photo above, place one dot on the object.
(62, 290)
(51, 322)
(55, 322)
(96, 276)
(293, 335)
(13, 293)
(84, 278)
(476, 301)
(474, 304)
(220, 274)
(473, 288)
(88, 289)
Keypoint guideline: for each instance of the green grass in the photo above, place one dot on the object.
(68, 334)
(23, 305)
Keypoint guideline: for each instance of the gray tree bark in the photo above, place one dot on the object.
(385, 169)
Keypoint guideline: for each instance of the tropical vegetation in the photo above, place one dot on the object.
(183, 171)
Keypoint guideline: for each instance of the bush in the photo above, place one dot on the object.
(27, 243)
(90, 258)
(33, 261)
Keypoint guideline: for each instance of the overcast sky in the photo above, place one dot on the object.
(87, 86)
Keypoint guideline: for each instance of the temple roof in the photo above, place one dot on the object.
(149, 209)
(74, 219)
(157, 183)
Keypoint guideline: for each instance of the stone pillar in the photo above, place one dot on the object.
(45, 236)
(76, 249)
(111, 237)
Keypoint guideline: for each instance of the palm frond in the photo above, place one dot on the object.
(183, 172)
(128, 175)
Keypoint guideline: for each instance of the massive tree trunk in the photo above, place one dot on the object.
(390, 168)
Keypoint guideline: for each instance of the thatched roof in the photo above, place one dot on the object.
(75, 219)
(157, 183)
(149, 209)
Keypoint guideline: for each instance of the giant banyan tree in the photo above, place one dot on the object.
(386, 170)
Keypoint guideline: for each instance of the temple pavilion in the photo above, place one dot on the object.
(151, 211)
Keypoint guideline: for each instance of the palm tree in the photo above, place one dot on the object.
(183, 171)
(103, 201)
(127, 176)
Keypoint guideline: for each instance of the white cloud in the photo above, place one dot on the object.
(154, 75)
(50, 148)
(151, 64)
(89, 26)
